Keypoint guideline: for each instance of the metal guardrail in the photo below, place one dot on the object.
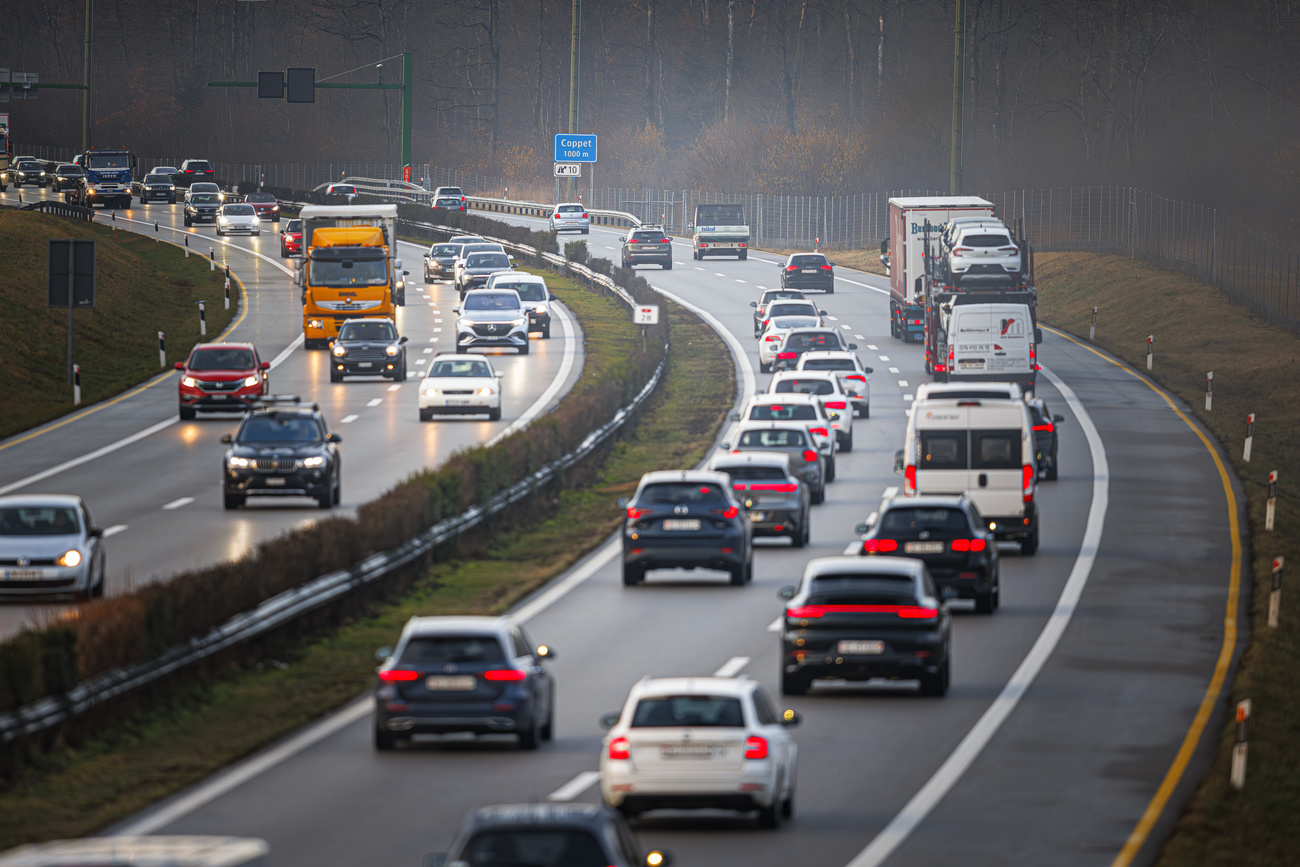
(61, 209)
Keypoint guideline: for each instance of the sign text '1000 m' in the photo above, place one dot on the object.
(575, 147)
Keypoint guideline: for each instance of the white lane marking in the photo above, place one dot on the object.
(884, 358)
(732, 667)
(575, 787)
(419, 361)
(89, 456)
(863, 285)
(607, 247)
(113, 530)
(559, 590)
(871, 347)
(287, 351)
(893, 370)
(902, 383)
(716, 274)
(740, 357)
(682, 264)
(845, 327)
(775, 625)
(767, 262)
(394, 387)
(431, 304)
(860, 337)
(232, 779)
(835, 319)
(761, 288)
(566, 365)
(177, 503)
(428, 349)
(348, 419)
(738, 280)
(433, 340)
(698, 268)
(437, 329)
(909, 397)
(929, 796)
(375, 402)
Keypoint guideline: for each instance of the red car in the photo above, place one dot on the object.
(291, 239)
(221, 377)
(265, 205)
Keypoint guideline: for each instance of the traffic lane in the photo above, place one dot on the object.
(1076, 765)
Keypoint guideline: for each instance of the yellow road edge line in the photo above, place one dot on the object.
(243, 311)
(1156, 807)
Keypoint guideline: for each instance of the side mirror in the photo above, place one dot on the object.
(406, 273)
(333, 438)
(868, 370)
(227, 438)
(94, 532)
(266, 365)
(498, 374)
(787, 592)
(402, 340)
(754, 304)
(734, 416)
(790, 717)
(455, 310)
(622, 502)
(1038, 334)
(609, 720)
(884, 247)
(824, 447)
(1058, 418)
(898, 462)
(622, 239)
(832, 415)
(724, 446)
(551, 297)
(863, 528)
(180, 365)
(383, 653)
(545, 651)
(853, 346)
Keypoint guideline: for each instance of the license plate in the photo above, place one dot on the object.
(682, 524)
(757, 517)
(23, 574)
(975, 363)
(690, 751)
(275, 482)
(923, 547)
(365, 364)
(450, 683)
(456, 402)
(861, 648)
(809, 270)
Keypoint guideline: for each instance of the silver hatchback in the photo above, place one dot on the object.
(49, 546)
(570, 217)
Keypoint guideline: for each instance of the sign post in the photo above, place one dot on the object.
(1209, 391)
(70, 281)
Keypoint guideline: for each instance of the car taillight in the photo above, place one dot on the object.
(755, 747)
(397, 675)
(957, 251)
(664, 241)
(1027, 483)
(836, 404)
(508, 674)
(856, 377)
(952, 353)
(963, 545)
(584, 215)
(820, 431)
(1044, 427)
(785, 355)
(909, 481)
(879, 546)
(907, 612)
(619, 748)
(827, 268)
(780, 487)
(743, 245)
(634, 514)
(1033, 357)
(792, 267)
(1008, 249)
(631, 240)
(773, 338)
(731, 512)
(809, 455)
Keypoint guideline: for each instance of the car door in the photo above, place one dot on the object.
(543, 689)
(777, 735)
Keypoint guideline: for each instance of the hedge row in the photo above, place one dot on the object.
(139, 625)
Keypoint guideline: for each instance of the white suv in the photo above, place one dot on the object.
(683, 743)
(983, 253)
(823, 386)
(854, 379)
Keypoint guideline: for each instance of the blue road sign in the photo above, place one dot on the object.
(575, 147)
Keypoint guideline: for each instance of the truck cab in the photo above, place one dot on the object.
(720, 230)
(108, 178)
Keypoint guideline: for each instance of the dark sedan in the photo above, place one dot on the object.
(464, 674)
(1045, 436)
(66, 177)
(686, 519)
(948, 535)
(368, 347)
(282, 449)
(760, 306)
(546, 835)
(859, 618)
(808, 271)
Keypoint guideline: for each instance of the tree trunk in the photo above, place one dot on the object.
(850, 64)
(541, 39)
(731, 59)
(650, 62)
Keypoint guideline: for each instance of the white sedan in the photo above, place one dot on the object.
(460, 385)
(854, 379)
(238, 218)
(823, 385)
(770, 340)
(700, 743)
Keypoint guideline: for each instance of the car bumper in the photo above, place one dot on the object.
(202, 218)
(514, 338)
(776, 520)
(538, 320)
(801, 281)
(304, 483)
(45, 580)
(440, 404)
(1014, 527)
(749, 787)
(655, 256)
(906, 655)
(570, 225)
(232, 401)
(146, 195)
(725, 552)
(236, 229)
(372, 367)
(480, 718)
(707, 247)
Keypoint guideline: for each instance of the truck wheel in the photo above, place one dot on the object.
(744, 254)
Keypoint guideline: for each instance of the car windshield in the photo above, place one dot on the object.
(805, 386)
(293, 226)
(487, 260)
(453, 648)
(786, 308)
(38, 521)
(788, 322)
(204, 187)
(221, 359)
(280, 429)
(773, 439)
(460, 367)
(238, 210)
(984, 240)
(29, 166)
(915, 520)
(70, 170)
(782, 412)
(204, 199)
(491, 301)
(480, 247)
(829, 364)
(543, 847)
(449, 191)
(808, 260)
(347, 272)
(260, 198)
(367, 331)
(813, 340)
(688, 710)
(102, 161)
(157, 179)
(683, 493)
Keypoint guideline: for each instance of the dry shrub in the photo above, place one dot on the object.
(110, 634)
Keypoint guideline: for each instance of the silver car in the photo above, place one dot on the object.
(570, 217)
(49, 546)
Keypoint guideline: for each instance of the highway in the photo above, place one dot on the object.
(1067, 707)
(153, 481)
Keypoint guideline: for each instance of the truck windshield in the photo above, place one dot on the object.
(339, 273)
(120, 161)
(719, 215)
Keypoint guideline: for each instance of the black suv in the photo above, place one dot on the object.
(66, 177)
(647, 245)
(1045, 440)
(858, 618)
(464, 674)
(564, 835)
(29, 172)
(684, 519)
(156, 187)
(202, 208)
(368, 347)
(195, 170)
(808, 271)
(282, 449)
(948, 535)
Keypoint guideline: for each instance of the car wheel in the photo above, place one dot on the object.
(847, 445)
(494, 414)
(799, 537)
(384, 741)
(284, 254)
(338, 492)
(797, 683)
(819, 495)
(523, 350)
(738, 574)
(764, 368)
(787, 805)
(830, 471)
(401, 374)
(187, 413)
(530, 738)
(546, 332)
(335, 376)
(770, 817)
(426, 414)
(830, 290)
(632, 575)
(275, 219)
(1051, 470)
(234, 501)
(1030, 544)
(326, 500)
(586, 231)
(668, 265)
(188, 223)
(936, 685)
(548, 727)
(866, 411)
(984, 602)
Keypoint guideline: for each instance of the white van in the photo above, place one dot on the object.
(990, 342)
(981, 448)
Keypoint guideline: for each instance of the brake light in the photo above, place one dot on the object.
(826, 268)
(906, 612)
(743, 244)
(397, 675)
(785, 355)
(634, 514)
(957, 251)
(856, 377)
(836, 404)
(619, 748)
(664, 241)
(556, 217)
(1027, 482)
(584, 215)
(631, 240)
(792, 267)
(809, 455)
(879, 546)
(731, 512)
(508, 674)
(779, 487)
(755, 747)
(941, 368)
(1033, 357)
(773, 338)
(963, 545)
(1045, 427)
(820, 431)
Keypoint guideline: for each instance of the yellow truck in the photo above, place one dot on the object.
(348, 269)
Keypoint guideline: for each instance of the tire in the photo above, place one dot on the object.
(546, 332)
(738, 574)
(787, 805)
(819, 495)
(187, 413)
(632, 575)
(234, 501)
(338, 492)
(326, 500)
(695, 254)
(494, 414)
(188, 223)
(668, 266)
(795, 684)
(1029, 545)
(1051, 470)
(830, 290)
(586, 231)
(848, 444)
(401, 375)
(275, 219)
(548, 727)
(770, 817)
(523, 350)
(984, 602)
(830, 473)
(284, 254)
(531, 737)
(936, 685)
(764, 368)
(800, 538)
(460, 350)
(866, 411)
(335, 376)
(384, 741)
(744, 254)
(426, 414)
(97, 592)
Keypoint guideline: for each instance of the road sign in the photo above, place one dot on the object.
(270, 85)
(646, 314)
(406, 174)
(301, 83)
(28, 80)
(83, 267)
(568, 170)
(575, 147)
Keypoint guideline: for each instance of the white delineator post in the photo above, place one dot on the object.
(1275, 595)
(1238, 776)
(212, 258)
(1209, 391)
(76, 385)
(162, 349)
(203, 321)
(1250, 435)
(1270, 508)
(227, 292)
(1151, 348)
(1092, 326)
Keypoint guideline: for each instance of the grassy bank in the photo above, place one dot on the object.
(1255, 366)
(77, 791)
(142, 287)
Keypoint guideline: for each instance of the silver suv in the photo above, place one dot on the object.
(492, 318)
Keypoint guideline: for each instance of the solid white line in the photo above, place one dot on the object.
(575, 787)
(925, 800)
(557, 591)
(775, 625)
(566, 364)
(113, 530)
(732, 667)
(375, 402)
(90, 456)
(177, 503)
(348, 419)
(286, 352)
(740, 357)
(863, 285)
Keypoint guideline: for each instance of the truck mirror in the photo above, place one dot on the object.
(1038, 334)
(884, 247)
(898, 462)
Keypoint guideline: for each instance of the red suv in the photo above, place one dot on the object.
(221, 377)
(291, 239)
(265, 206)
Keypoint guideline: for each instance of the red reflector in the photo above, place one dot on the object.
(505, 674)
(727, 551)
(941, 367)
(879, 546)
(397, 675)
(809, 455)
(1047, 427)
(743, 244)
(755, 747)
(619, 749)
(780, 528)
(836, 404)
(916, 321)
(907, 612)
(664, 241)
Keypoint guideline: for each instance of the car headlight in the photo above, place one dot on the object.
(392, 350)
(275, 207)
(314, 461)
(523, 320)
(338, 350)
(429, 389)
(172, 188)
(466, 322)
(188, 381)
(70, 558)
(70, 552)
(237, 462)
(540, 308)
(251, 380)
(485, 391)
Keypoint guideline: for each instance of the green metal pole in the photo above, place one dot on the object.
(85, 81)
(408, 97)
(958, 97)
(573, 78)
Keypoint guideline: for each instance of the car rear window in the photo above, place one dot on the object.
(984, 240)
(805, 386)
(755, 474)
(487, 260)
(915, 520)
(571, 209)
(788, 322)
(814, 340)
(860, 589)
(38, 521)
(459, 368)
(942, 450)
(481, 300)
(221, 359)
(688, 710)
(777, 294)
(198, 166)
(681, 492)
(783, 412)
(452, 648)
(367, 331)
(654, 237)
(773, 439)
(448, 201)
(829, 364)
(542, 847)
(995, 449)
(808, 260)
(788, 309)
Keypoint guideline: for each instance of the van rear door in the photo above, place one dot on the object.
(1011, 333)
(942, 450)
(996, 460)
